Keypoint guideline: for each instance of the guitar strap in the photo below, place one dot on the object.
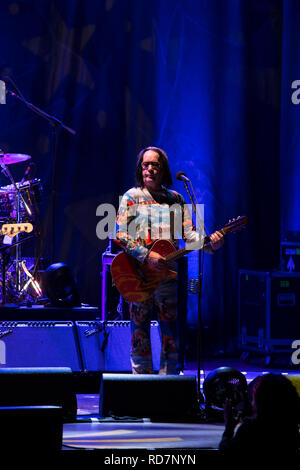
(176, 197)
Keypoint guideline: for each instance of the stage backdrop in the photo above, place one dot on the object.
(205, 80)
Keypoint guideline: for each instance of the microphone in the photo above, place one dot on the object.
(2, 92)
(182, 177)
(5, 77)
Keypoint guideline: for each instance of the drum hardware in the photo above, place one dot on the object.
(54, 123)
(31, 281)
(5, 260)
(31, 192)
(9, 159)
(18, 203)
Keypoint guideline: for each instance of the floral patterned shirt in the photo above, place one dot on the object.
(141, 220)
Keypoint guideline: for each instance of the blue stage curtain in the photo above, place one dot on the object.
(218, 88)
(290, 119)
(208, 81)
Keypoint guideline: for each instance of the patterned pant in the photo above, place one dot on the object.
(165, 298)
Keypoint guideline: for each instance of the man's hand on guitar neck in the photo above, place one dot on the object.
(155, 260)
(216, 240)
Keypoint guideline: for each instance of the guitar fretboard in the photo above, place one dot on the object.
(183, 251)
(233, 226)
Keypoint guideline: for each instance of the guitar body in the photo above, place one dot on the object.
(137, 281)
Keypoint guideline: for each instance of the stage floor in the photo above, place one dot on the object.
(90, 432)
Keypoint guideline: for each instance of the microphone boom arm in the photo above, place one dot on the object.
(53, 120)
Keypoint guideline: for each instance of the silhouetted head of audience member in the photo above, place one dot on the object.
(273, 427)
(274, 398)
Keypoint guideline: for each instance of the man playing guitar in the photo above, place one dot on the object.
(152, 191)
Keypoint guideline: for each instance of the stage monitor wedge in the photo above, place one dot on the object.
(31, 430)
(39, 386)
(158, 397)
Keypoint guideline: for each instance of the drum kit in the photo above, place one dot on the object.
(19, 212)
(18, 215)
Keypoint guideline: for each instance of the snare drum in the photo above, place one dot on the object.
(30, 191)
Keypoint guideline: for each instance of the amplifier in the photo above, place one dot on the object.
(105, 345)
(114, 307)
(39, 344)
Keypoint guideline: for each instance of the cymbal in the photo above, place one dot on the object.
(10, 158)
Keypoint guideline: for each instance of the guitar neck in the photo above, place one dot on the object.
(231, 227)
(183, 251)
(177, 254)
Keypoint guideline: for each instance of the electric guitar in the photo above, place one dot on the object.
(14, 229)
(137, 281)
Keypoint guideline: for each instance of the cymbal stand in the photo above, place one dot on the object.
(5, 258)
(19, 198)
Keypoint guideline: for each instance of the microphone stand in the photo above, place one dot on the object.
(200, 258)
(54, 122)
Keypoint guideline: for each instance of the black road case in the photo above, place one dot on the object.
(269, 312)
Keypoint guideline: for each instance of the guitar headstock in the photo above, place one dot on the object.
(235, 225)
(14, 229)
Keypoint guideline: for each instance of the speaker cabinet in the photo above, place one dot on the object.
(39, 429)
(39, 386)
(112, 303)
(159, 397)
(39, 344)
(105, 346)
